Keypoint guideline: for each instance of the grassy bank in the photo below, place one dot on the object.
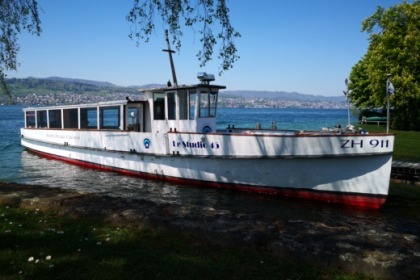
(407, 143)
(37, 245)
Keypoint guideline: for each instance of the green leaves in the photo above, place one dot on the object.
(394, 36)
(14, 16)
(205, 14)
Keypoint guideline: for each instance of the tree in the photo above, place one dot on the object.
(174, 13)
(15, 15)
(394, 37)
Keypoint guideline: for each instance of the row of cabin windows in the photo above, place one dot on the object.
(109, 118)
(159, 106)
(187, 105)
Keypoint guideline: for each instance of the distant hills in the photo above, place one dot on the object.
(54, 84)
(76, 81)
(55, 90)
(282, 95)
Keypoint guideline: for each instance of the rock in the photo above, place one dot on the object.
(12, 200)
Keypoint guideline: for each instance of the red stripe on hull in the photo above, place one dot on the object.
(368, 201)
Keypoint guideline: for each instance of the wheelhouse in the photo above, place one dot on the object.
(180, 108)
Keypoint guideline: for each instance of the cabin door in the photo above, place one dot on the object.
(135, 117)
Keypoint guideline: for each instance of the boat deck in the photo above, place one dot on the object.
(406, 171)
(256, 131)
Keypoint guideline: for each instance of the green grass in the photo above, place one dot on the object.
(403, 201)
(407, 143)
(36, 245)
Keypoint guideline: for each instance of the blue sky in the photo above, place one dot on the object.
(303, 46)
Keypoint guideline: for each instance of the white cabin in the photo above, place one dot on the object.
(181, 108)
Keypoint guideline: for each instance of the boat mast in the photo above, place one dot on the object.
(170, 59)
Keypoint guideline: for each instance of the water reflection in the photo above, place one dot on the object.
(41, 171)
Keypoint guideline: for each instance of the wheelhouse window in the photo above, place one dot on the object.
(193, 102)
(89, 118)
(208, 104)
(110, 118)
(30, 118)
(159, 106)
(71, 118)
(171, 106)
(41, 117)
(133, 119)
(54, 118)
(183, 105)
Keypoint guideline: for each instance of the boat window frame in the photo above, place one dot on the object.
(103, 109)
(207, 103)
(71, 118)
(30, 119)
(159, 106)
(192, 104)
(86, 125)
(171, 105)
(182, 99)
(135, 122)
(55, 121)
(41, 119)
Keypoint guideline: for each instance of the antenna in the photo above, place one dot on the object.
(170, 52)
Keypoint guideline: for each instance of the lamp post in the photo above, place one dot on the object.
(346, 92)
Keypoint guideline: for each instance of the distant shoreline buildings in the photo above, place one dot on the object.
(47, 99)
(64, 91)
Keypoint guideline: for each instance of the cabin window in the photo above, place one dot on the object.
(159, 106)
(30, 118)
(208, 103)
(183, 105)
(110, 118)
(54, 118)
(133, 119)
(193, 101)
(41, 117)
(89, 118)
(171, 106)
(71, 118)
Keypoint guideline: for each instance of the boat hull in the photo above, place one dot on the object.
(349, 178)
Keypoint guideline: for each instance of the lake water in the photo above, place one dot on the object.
(295, 119)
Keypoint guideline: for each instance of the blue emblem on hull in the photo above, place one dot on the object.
(147, 143)
(206, 129)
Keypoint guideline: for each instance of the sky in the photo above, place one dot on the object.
(302, 46)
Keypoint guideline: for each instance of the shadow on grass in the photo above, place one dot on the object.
(37, 245)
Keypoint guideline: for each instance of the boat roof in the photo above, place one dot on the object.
(86, 105)
(181, 87)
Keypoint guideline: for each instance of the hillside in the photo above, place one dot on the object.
(57, 90)
(30, 85)
(80, 81)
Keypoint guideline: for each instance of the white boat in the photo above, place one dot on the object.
(170, 134)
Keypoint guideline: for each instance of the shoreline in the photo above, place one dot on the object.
(369, 251)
